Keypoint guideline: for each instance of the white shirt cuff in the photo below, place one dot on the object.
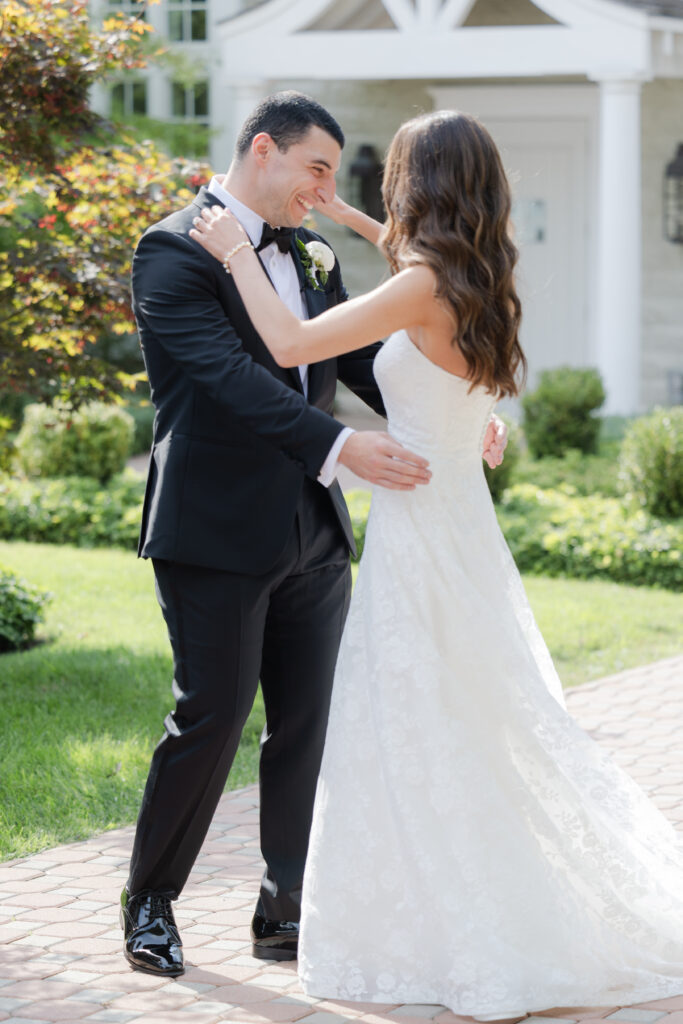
(329, 467)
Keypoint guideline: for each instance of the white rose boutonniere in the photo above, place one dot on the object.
(317, 260)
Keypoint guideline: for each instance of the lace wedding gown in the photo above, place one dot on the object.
(471, 845)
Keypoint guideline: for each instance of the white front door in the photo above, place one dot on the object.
(545, 162)
(546, 138)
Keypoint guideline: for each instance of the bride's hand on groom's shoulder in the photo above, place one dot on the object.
(495, 441)
(218, 231)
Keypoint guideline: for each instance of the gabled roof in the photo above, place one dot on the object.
(633, 40)
(668, 8)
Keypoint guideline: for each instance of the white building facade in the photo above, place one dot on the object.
(585, 100)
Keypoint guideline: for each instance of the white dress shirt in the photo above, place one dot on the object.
(282, 272)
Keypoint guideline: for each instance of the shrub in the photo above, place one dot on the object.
(500, 478)
(93, 441)
(13, 403)
(587, 474)
(21, 609)
(558, 533)
(558, 414)
(143, 417)
(7, 449)
(651, 462)
(614, 428)
(72, 510)
(359, 506)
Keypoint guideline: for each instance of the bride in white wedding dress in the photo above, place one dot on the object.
(471, 845)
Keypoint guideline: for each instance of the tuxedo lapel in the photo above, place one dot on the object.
(315, 300)
(315, 304)
(204, 199)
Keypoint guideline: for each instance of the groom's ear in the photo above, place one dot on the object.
(262, 146)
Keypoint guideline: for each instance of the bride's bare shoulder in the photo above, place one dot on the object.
(419, 278)
(406, 299)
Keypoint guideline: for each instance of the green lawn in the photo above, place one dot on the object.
(83, 709)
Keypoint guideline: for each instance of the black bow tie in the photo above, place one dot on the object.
(281, 236)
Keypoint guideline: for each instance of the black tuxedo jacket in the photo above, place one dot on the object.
(234, 434)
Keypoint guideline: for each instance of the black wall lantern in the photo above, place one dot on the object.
(673, 198)
(366, 179)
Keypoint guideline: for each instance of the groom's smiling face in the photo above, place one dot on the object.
(297, 178)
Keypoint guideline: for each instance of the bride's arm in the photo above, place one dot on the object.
(348, 216)
(404, 301)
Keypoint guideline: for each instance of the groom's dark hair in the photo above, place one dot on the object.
(287, 117)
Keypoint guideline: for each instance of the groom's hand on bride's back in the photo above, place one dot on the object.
(375, 456)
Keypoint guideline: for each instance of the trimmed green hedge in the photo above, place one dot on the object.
(72, 510)
(559, 533)
(553, 532)
(589, 474)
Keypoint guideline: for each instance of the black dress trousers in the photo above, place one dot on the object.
(228, 630)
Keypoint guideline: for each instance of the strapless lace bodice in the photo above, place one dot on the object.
(430, 410)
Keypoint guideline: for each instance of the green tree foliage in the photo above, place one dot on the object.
(74, 198)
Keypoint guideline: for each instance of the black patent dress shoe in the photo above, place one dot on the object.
(274, 940)
(151, 938)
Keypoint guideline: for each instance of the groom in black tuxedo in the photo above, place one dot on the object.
(246, 526)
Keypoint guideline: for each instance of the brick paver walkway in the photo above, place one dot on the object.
(60, 958)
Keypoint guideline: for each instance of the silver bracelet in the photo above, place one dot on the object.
(229, 255)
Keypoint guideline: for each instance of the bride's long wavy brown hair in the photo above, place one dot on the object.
(448, 206)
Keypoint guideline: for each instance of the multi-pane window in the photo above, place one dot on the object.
(190, 102)
(190, 110)
(127, 7)
(187, 20)
(128, 98)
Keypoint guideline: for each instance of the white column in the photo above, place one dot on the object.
(618, 285)
(159, 78)
(99, 98)
(159, 93)
(426, 13)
